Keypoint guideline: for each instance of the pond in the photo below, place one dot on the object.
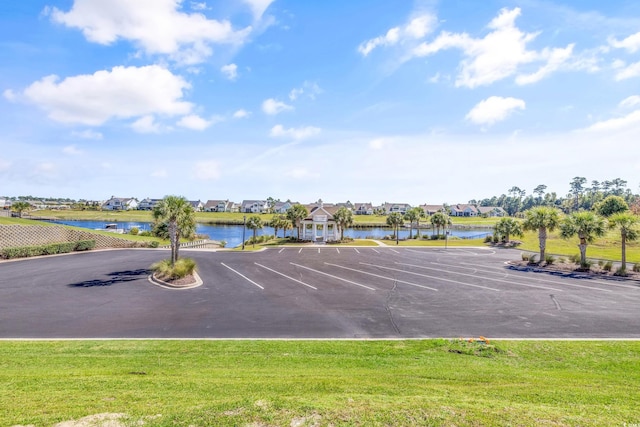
(232, 234)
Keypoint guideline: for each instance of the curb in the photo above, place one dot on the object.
(161, 283)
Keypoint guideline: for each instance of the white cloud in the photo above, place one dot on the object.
(627, 72)
(87, 134)
(273, 107)
(416, 28)
(194, 122)
(311, 89)
(230, 71)
(241, 114)
(301, 173)
(494, 109)
(9, 95)
(379, 143)
(146, 124)
(207, 170)
(630, 120)
(198, 5)
(155, 26)
(71, 150)
(258, 7)
(630, 102)
(631, 43)
(499, 54)
(4, 165)
(123, 92)
(298, 134)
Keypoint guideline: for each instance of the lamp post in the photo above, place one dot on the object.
(446, 238)
(244, 227)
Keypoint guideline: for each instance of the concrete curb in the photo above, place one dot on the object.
(157, 282)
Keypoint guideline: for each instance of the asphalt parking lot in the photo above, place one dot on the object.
(312, 292)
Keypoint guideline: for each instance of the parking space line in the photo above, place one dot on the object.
(332, 276)
(434, 277)
(557, 282)
(393, 250)
(318, 250)
(284, 275)
(338, 250)
(375, 250)
(382, 277)
(475, 277)
(281, 250)
(300, 251)
(356, 249)
(243, 276)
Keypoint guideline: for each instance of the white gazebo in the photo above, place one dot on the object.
(320, 226)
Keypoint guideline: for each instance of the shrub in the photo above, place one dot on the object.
(182, 268)
(586, 266)
(620, 272)
(600, 262)
(85, 245)
(31, 251)
(562, 260)
(636, 268)
(549, 259)
(496, 238)
(532, 259)
(134, 231)
(144, 233)
(153, 244)
(525, 257)
(223, 243)
(575, 258)
(488, 238)
(608, 266)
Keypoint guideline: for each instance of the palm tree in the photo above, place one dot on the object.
(507, 227)
(543, 219)
(20, 207)
(440, 219)
(626, 222)
(296, 214)
(587, 226)
(413, 215)
(180, 218)
(394, 220)
(278, 221)
(344, 219)
(254, 223)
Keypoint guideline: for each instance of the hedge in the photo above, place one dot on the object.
(51, 249)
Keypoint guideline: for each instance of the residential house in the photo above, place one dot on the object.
(363, 209)
(197, 205)
(463, 210)
(148, 204)
(319, 225)
(120, 204)
(5, 203)
(282, 207)
(396, 207)
(492, 211)
(254, 206)
(217, 206)
(431, 209)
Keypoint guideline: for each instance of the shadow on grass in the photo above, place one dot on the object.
(114, 278)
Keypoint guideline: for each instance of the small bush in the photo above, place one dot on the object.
(636, 268)
(608, 266)
(549, 259)
(223, 243)
(182, 268)
(31, 251)
(134, 231)
(562, 260)
(153, 244)
(488, 238)
(144, 233)
(575, 258)
(532, 259)
(525, 257)
(600, 263)
(496, 238)
(620, 272)
(85, 245)
(586, 266)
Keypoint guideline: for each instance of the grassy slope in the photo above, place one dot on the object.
(342, 383)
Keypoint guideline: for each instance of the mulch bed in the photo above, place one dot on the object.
(571, 268)
(185, 281)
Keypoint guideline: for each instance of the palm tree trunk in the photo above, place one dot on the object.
(173, 237)
(418, 229)
(624, 253)
(583, 252)
(542, 238)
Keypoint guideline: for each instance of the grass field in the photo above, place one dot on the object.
(359, 383)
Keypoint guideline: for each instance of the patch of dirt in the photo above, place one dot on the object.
(97, 420)
(185, 281)
(310, 421)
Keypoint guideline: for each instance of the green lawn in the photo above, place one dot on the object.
(358, 383)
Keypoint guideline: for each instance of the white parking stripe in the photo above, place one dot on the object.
(375, 250)
(356, 249)
(300, 250)
(393, 250)
(318, 250)
(382, 277)
(242, 275)
(332, 276)
(556, 282)
(281, 250)
(475, 277)
(433, 277)
(338, 250)
(284, 275)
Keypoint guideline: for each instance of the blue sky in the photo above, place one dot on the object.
(368, 101)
